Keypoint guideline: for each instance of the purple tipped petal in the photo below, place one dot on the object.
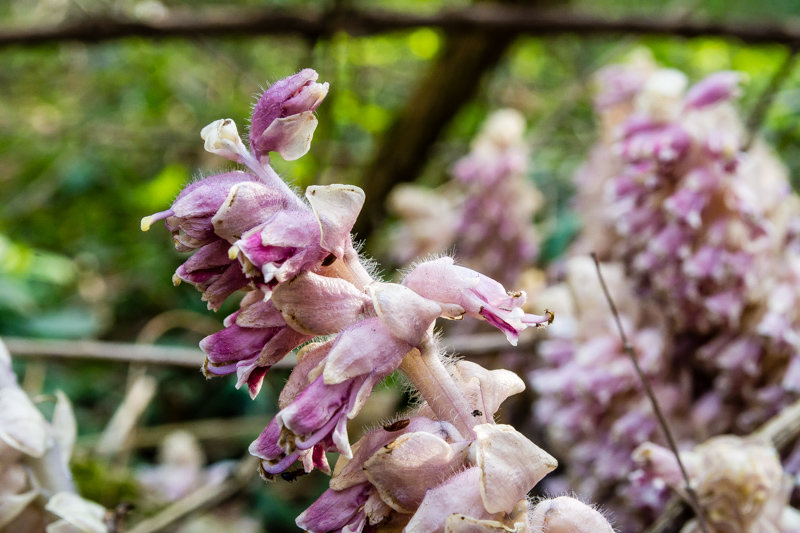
(309, 358)
(286, 244)
(250, 351)
(336, 510)
(235, 343)
(716, 88)
(316, 406)
(479, 296)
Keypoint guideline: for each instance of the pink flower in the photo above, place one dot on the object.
(336, 511)
(358, 359)
(465, 292)
(255, 338)
(213, 273)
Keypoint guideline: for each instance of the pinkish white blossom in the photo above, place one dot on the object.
(304, 279)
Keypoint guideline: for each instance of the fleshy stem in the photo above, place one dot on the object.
(428, 374)
(425, 369)
(269, 176)
(692, 495)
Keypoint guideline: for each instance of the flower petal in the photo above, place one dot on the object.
(336, 208)
(22, 426)
(335, 510)
(406, 314)
(491, 388)
(510, 466)
(84, 515)
(457, 495)
(567, 515)
(365, 348)
(289, 136)
(308, 358)
(318, 305)
(247, 205)
(349, 472)
(404, 470)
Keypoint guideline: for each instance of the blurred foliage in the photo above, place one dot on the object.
(100, 483)
(93, 137)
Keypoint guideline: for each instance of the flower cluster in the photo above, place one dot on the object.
(448, 466)
(703, 227)
(35, 481)
(739, 483)
(486, 213)
(706, 235)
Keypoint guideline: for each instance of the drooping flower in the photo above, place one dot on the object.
(466, 292)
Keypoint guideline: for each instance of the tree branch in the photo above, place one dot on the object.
(496, 19)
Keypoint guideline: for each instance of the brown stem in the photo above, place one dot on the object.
(662, 421)
(492, 19)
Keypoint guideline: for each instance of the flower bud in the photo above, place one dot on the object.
(283, 119)
(222, 138)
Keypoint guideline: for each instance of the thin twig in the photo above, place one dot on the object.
(113, 351)
(204, 498)
(693, 500)
(494, 19)
(759, 111)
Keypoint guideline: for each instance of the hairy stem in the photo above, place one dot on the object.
(429, 375)
(270, 177)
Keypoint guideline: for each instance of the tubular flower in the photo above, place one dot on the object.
(466, 292)
(254, 339)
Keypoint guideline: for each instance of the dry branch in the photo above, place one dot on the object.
(494, 19)
(246, 427)
(112, 351)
